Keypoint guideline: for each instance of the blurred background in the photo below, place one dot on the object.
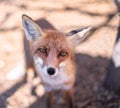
(92, 58)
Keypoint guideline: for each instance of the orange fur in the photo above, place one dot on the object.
(54, 42)
(53, 53)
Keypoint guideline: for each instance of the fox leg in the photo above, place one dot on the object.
(50, 99)
(69, 98)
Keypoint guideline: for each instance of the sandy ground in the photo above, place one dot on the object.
(92, 56)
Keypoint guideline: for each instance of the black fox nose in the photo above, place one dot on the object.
(51, 71)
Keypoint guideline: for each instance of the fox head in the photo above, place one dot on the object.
(53, 51)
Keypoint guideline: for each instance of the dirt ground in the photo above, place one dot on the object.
(92, 56)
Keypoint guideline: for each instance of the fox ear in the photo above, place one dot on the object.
(31, 29)
(77, 36)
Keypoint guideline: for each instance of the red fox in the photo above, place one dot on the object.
(53, 55)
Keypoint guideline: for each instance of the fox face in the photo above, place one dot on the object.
(53, 53)
(51, 56)
(52, 50)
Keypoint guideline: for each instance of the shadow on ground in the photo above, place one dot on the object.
(5, 95)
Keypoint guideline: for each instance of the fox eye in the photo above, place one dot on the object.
(63, 53)
(42, 50)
